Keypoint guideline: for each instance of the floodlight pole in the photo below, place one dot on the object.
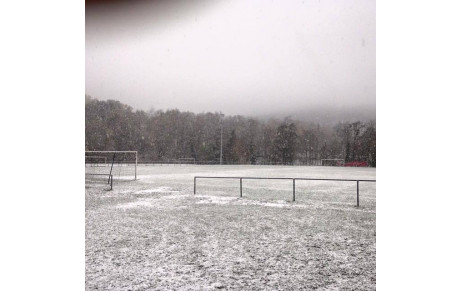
(221, 131)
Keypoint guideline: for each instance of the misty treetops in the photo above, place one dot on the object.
(164, 136)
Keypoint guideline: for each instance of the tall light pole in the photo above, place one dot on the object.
(221, 139)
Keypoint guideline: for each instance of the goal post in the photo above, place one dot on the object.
(333, 162)
(118, 164)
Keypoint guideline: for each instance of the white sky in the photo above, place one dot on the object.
(238, 57)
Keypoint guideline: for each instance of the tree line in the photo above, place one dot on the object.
(162, 136)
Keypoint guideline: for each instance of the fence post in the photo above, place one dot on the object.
(241, 187)
(293, 190)
(194, 185)
(357, 193)
(111, 182)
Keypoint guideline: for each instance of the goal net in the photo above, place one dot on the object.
(333, 162)
(110, 165)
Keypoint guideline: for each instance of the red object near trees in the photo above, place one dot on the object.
(356, 164)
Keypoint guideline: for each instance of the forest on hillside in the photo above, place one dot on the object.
(172, 135)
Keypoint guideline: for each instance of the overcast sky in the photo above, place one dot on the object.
(249, 57)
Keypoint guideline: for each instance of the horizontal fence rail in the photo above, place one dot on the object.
(284, 178)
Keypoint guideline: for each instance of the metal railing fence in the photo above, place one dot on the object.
(284, 178)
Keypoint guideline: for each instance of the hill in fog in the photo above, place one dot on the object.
(326, 115)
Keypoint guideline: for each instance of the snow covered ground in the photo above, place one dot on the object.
(154, 234)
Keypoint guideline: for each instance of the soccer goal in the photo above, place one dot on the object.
(187, 161)
(333, 162)
(110, 166)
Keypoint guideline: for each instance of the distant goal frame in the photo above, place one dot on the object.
(340, 162)
(118, 152)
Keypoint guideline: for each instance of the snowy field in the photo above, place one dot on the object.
(154, 234)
